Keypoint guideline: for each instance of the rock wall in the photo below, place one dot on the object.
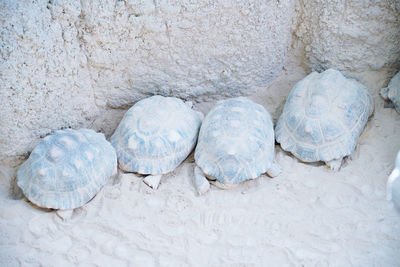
(44, 79)
(64, 62)
(351, 36)
(185, 48)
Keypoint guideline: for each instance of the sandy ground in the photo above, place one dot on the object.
(307, 216)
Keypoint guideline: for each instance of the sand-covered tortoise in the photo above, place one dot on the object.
(67, 169)
(155, 136)
(236, 143)
(323, 118)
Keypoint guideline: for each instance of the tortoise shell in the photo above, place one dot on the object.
(67, 169)
(323, 117)
(156, 135)
(236, 141)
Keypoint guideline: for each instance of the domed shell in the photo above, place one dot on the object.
(392, 92)
(156, 135)
(236, 141)
(323, 117)
(67, 169)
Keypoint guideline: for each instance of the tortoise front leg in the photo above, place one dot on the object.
(334, 164)
(152, 180)
(275, 170)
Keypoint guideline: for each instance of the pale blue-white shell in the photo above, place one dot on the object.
(394, 183)
(236, 141)
(323, 117)
(67, 169)
(392, 92)
(156, 135)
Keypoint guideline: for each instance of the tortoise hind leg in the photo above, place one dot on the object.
(275, 170)
(385, 93)
(65, 215)
(200, 181)
(152, 180)
(334, 164)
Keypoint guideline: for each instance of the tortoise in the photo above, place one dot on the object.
(393, 184)
(323, 118)
(155, 136)
(67, 169)
(236, 143)
(392, 92)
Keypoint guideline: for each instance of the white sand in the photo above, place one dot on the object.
(307, 216)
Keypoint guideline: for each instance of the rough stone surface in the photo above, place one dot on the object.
(63, 62)
(67, 63)
(183, 48)
(44, 79)
(351, 36)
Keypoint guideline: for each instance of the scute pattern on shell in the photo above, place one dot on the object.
(323, 117)
(236, 141)
(67, 169)
(392, 92)
(156, 135)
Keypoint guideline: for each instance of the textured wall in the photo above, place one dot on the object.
(183, 48)
(63, 62)
(351, 36)
(44, 80)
